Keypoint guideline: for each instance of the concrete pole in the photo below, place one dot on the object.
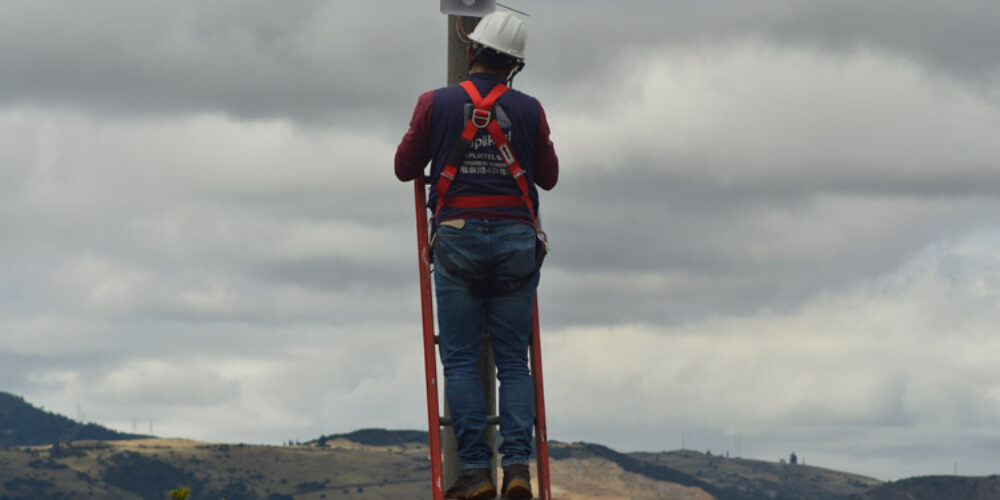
(458, 70)
(458, 63)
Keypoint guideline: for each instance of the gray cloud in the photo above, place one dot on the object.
(336, 62)
(941, 37)
(731, 189)
(307, 61)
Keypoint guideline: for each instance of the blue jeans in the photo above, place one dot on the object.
(508, 248)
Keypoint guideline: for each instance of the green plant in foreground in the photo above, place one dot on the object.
(179, 494)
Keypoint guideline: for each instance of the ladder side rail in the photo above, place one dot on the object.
(541, 433)
(430, 356)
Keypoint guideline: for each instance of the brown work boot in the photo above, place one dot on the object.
(516, 481)
(473, 484)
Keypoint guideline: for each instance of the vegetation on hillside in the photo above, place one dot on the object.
(377, 437)
(762, 479)
(21, 424)
(936, 488)
(155, 469)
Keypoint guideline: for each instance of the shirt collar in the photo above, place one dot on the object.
(484, 77)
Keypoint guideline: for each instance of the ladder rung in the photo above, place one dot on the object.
(490, 420)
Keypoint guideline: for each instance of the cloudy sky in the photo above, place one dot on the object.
(775, 228)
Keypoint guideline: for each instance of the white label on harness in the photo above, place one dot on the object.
(508, 157)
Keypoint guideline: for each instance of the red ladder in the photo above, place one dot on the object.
(430, 365)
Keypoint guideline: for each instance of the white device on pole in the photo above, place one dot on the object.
(470, 8)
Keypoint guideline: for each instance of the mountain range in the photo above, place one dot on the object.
(48, 456)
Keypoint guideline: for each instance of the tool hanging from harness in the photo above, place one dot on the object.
(485, 283)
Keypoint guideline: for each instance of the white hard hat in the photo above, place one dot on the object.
(503, 32)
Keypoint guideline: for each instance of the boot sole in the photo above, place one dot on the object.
(484, 492)
(518, 489)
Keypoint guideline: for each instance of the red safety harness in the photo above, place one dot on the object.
(482, 118)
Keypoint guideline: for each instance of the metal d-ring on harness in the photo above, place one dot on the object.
(485, 283)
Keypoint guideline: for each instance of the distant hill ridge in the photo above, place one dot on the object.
(22, 424)
(936, 488)
(149, 468)
(377, 437)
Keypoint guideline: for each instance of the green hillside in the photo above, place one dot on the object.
(149, 469)
(377, 437)
(22, 424)
(762, 479)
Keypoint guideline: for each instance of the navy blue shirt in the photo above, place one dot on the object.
(438, 121)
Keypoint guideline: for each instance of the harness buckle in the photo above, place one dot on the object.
(481, 118)
(508, 157)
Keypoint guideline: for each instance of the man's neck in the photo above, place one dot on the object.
(478, 68)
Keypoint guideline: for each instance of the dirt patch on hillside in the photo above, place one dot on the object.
(599, 479)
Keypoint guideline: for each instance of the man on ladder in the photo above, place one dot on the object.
(489, 147)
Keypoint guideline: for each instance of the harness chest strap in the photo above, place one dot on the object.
(482, 117)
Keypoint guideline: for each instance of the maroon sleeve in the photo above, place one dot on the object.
(546, 162)
(414, 150)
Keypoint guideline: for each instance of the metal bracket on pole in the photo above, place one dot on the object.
(472, 8)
